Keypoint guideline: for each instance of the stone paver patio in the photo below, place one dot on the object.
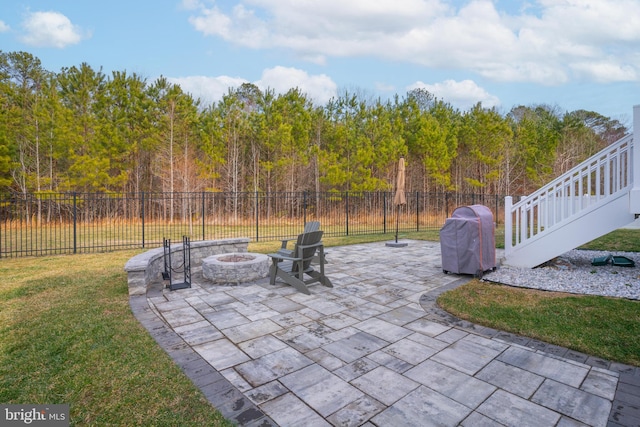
(375, 351)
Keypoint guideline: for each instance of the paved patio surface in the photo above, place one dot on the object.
(375, 351)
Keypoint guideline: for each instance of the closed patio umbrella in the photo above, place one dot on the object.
(399, 198)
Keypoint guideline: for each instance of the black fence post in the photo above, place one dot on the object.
(417, 211)
(446, 205)
(257, 222)
(347, 212)
(304, 207)
(384, 212)
(142, 215)
(75, 222)
(203, 225)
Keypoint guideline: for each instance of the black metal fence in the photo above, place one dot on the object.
(64, 223)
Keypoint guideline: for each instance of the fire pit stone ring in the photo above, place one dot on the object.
(235, 267)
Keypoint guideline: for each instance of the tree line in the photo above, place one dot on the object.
(84, 131)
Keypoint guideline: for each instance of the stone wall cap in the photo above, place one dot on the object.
(142, 261)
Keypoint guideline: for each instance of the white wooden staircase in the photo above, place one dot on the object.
(596, 197)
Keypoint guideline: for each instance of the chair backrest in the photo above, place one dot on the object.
(306, 247)
(311, 226)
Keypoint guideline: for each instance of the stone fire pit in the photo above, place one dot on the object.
(236, 267)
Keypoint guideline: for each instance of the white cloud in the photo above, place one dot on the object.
(548, 42)
(241, 25)
(605, 72)
(208, 89)
(463, 95)
(51, 29)
(320, 88)
(212, 23)
(4, 27)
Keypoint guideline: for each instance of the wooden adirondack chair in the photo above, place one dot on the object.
(291, 269)
(308, 227)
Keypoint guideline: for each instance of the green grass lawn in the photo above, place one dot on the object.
(623, 240)
(67, 335)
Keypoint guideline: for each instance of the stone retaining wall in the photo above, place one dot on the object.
(146, 268)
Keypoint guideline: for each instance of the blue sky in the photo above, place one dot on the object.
(570, 54)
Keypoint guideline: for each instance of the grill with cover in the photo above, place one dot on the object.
(467, 241)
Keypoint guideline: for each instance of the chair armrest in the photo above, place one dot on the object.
(314, 245)
(285, 252)
(283, 257)
(285, 242)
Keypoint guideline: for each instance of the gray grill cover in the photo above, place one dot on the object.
(467, 241)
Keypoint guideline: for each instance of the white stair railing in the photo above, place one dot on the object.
(578, 191)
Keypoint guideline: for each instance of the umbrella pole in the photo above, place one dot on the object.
(397, 220)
